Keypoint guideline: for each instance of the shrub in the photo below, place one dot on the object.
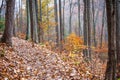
(74, 44)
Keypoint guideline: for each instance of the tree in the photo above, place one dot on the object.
(61, 27)
(48, 26)
(56, 21)
(80, 31)
(33, 19)
(87, 28)
(63, 23)
(103, 25)
(118, 36)
(20, 16)
(111, 64)
(9, 23)
(40, 27)
(28, 21)
(94, 29)
(70, 17)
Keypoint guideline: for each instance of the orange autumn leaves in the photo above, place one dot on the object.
(75, 44)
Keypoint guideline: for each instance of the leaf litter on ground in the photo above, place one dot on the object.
(25, 62)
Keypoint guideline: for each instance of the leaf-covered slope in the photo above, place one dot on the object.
(27, 62)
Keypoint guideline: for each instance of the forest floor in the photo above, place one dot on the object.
(29, 61)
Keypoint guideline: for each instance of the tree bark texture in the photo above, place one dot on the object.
(9, 23)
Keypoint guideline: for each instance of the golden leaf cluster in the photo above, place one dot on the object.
(74, 44)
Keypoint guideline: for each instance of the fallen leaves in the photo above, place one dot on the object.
(25, 62)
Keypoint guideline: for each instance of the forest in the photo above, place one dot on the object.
(59, 39)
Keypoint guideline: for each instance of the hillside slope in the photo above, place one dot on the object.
(28, 61)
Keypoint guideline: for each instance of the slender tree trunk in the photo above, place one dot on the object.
(34, 32)
(41, 33)
(111, 64)
(94, 29)
(70, 17)
(61, 27)
(38, 27)
(56, 21)
(36, 9)
(103, 24)
(20, 16)
(79, 24)
(48, 27)
(85, 51)
(118, 37)
(28, 36)
(63, 23)
(9, 23)
(89, 28)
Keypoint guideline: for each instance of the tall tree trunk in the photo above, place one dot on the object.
(36, 9)
(34, 32)
(79, 24)
(70, 16)
(89, 28)
(63, 22)
(61, 27)
(9, 23)
(111, 64)
(48, 27)
(20, 16)
(56, 21)
(118, 37)
(94, 29)
(103, 24)
(41, 33)
(85, 51)
(28, 36)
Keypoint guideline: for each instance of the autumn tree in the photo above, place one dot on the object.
(9, 23)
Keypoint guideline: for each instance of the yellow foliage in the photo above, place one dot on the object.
(72, 55)
(47, 13)
(74, 44)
